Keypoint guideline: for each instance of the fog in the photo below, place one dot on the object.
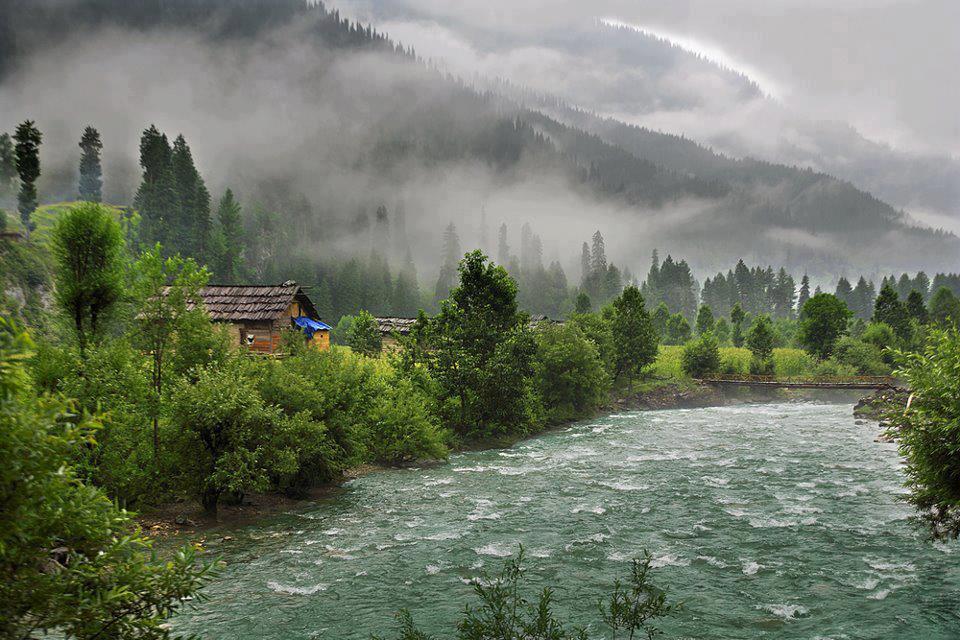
(289, 124)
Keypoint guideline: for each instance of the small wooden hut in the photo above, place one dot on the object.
(257, 314)
(391, 328)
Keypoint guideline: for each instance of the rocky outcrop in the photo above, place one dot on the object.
(881, 405)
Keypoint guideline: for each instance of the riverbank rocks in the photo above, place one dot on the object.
(879, 405)
(671, 396)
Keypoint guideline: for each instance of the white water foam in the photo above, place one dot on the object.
(295, 591)
(785, 611)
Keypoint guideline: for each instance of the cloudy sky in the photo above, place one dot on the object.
(889, 67)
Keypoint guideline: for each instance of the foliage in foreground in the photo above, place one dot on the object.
(71, 561)
(505, 613)
(929, 431)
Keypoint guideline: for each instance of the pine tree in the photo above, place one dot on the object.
(91, 173)
(8, 165)
(451, 256)
(28, 139)
(705, 320)
(584, 264)
(231, 235)
(381, 230)
(737, 316)
(190, 226)
(844, 291)
(890, 310)
(804, 292)
(916, 308)
(503, 249)
(156, 198)
(598, 255)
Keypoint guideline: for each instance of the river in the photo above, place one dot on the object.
(767, 520)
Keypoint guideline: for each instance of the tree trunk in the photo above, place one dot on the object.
(209, 501)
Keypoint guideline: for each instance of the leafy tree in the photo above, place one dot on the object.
(596, 328)
(88, 247)
(916, 307)
(705, 320)
(570, 374)
(582, 304)
(28, 139)
(863, 357)
(482, 356)
(634, 337)
(231, 236)
(928, 432)
(823, 320)
(221, 422)
(72, 563)
(890, 310)
(701, 356)
(945, 308)
(760, 340)
(737, 316)
(364, 335)
(91, 174)
(167, 296)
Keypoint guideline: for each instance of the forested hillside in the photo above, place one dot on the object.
(341, 145)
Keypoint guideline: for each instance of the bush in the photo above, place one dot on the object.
(364, 335)
(831, 368)
(701, 356)
(865, 358)
(570, 376)
(401, 428)
(735, 360)
(792, 363)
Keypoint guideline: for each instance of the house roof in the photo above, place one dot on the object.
(254, 302)
(395, 325)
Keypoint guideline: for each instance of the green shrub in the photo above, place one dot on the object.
(865, 358)
(570, 376)
(792, 363)
(735, 360)
(701, 356)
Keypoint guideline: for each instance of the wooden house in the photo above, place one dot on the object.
(391, 328)
(257, 314)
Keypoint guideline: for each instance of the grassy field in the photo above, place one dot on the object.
(787, 362)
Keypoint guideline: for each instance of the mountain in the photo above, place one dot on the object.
(317, 121)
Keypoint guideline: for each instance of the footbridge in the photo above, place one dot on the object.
(819, 382)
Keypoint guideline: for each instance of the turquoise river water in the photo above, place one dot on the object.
(767, 520)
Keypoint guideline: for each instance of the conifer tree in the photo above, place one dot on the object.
(737, 317)
(804, 292)
(890, 310)
(8, 165)
(503, 249)
(916, 308)
(448, 270)
(634, 337)
(190, 226)
(91, 173)
(28, 139)
(231, 235)
(582, 304)
(156, 198)
(598, 255)
(705, 320)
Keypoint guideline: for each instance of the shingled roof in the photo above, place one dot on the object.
(389, 326)
(233, 303)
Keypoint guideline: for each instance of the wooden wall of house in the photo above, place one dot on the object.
(321, 340)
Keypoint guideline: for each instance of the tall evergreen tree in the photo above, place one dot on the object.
(634, 337)
(448, 269)
(598, 254)
(190, 226)
(916, 307)
(503, 249)
(156, 198)
(28, 139)
(705, 320)
(231, 235)
(890, 310)
(737, 316)
(8, 165)
(585, 268)
(90, 186)
(804, 294)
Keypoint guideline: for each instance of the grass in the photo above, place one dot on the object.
(47, 215)
(787, 362)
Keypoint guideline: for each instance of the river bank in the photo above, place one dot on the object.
(188, 519)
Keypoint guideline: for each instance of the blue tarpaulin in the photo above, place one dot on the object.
(310, 326)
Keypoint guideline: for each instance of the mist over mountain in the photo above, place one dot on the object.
(321, 121)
